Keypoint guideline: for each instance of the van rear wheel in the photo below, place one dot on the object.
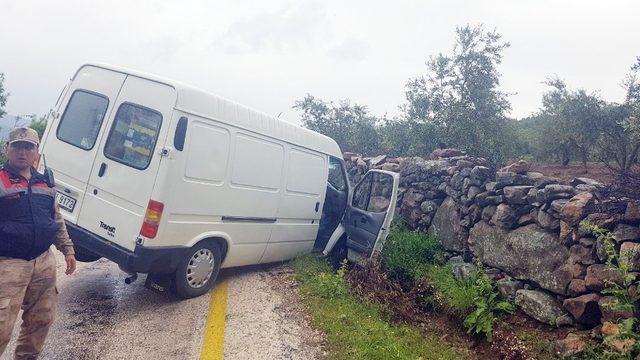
(198, 270)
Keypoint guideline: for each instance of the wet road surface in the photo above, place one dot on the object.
(101, 317)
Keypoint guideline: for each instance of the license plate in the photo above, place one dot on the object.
(65, 202)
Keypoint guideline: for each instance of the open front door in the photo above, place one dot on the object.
(369, 213)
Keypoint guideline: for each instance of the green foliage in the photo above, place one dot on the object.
(3, 102)
(406, 254)
(38, 124)
(330, 285)
(450, 294)
(356, 329)
(488, 305)
(475, 300)
(625, 294)
(3, 96)
(351, 126)
(458, 101)
(414, 257)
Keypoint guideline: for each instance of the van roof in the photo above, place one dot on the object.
(201, 103)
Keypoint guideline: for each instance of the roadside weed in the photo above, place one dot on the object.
(357, 329)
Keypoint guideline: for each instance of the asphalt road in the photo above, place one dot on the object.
(101, 317)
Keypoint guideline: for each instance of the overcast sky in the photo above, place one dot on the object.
(267, 54)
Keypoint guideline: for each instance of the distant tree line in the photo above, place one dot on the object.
(38, 123)
(458, 103)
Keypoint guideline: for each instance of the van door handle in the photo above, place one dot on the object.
(317, 206)
(103, 168)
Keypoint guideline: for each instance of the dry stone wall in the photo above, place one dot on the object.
(522, 225)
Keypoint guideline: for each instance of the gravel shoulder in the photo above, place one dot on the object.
(265, 318)
(100, 317)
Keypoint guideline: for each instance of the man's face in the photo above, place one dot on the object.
(21, 154)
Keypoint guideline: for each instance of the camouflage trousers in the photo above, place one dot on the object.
(30, 285)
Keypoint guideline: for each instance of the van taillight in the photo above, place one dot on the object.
(152, 219)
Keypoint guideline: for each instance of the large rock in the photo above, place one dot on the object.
(480, 173)
(555, 191)
(504, 217)
(577, 287)
(516, 194)
(632, 213)
(526, 253)
(509, 179)
(630, 252)
(585, 181)
(611, 312)
(601, 219)
(584, 309)
(598, 275)
(574, 210)
(412, 198)
(624, 232)
(518, 167)
(541, 182)
(539, 305)
(378, 160)
(547, 221)
(509, 287)
(485, 199)
(582, 254)
(573, 344)
(447, 228)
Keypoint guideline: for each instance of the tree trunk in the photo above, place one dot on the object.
(565, 156)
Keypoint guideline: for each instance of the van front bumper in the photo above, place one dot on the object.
(163, 260)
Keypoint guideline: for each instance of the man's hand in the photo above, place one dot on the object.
(71, 264)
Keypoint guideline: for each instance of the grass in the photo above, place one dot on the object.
(454, 296)
(409, 255)
(356, 329)
(413, 256)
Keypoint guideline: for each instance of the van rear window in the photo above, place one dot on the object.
(82, 119)
(133, 135)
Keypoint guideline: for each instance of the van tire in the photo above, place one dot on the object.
(198, 255)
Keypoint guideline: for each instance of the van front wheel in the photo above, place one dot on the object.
(198, 270)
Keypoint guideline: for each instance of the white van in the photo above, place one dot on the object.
(165, 179)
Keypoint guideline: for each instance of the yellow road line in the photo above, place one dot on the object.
(213, 344)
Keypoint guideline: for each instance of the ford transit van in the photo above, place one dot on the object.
(169, 180)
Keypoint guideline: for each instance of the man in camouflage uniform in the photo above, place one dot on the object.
(30, 223)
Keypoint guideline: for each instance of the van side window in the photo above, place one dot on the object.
(133, 135)
(374, 193)
(362, 192)
(336, 175)
(82, 119)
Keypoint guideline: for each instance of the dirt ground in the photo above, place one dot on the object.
(595, 170)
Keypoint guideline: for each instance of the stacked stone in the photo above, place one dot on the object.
(522, 225)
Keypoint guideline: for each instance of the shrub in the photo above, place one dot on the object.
(331, 285)
(475, 299)
(625, 294)
(488, 305)
(451, 295)
(406, 254)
